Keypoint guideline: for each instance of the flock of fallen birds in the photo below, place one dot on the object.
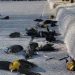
(23, 66)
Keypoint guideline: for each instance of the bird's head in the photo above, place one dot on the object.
(15, 65)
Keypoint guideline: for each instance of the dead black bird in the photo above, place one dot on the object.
(31, 49)
(38, 20)
(21, 66)
(33, 45)
(36, 33)
(47, 47)
(32, 32)
(53, 23)
(6, 17)
(44, 24)
(50, 38)
(44, 33)
(15, 35)
(15, 49)
(49, 21)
